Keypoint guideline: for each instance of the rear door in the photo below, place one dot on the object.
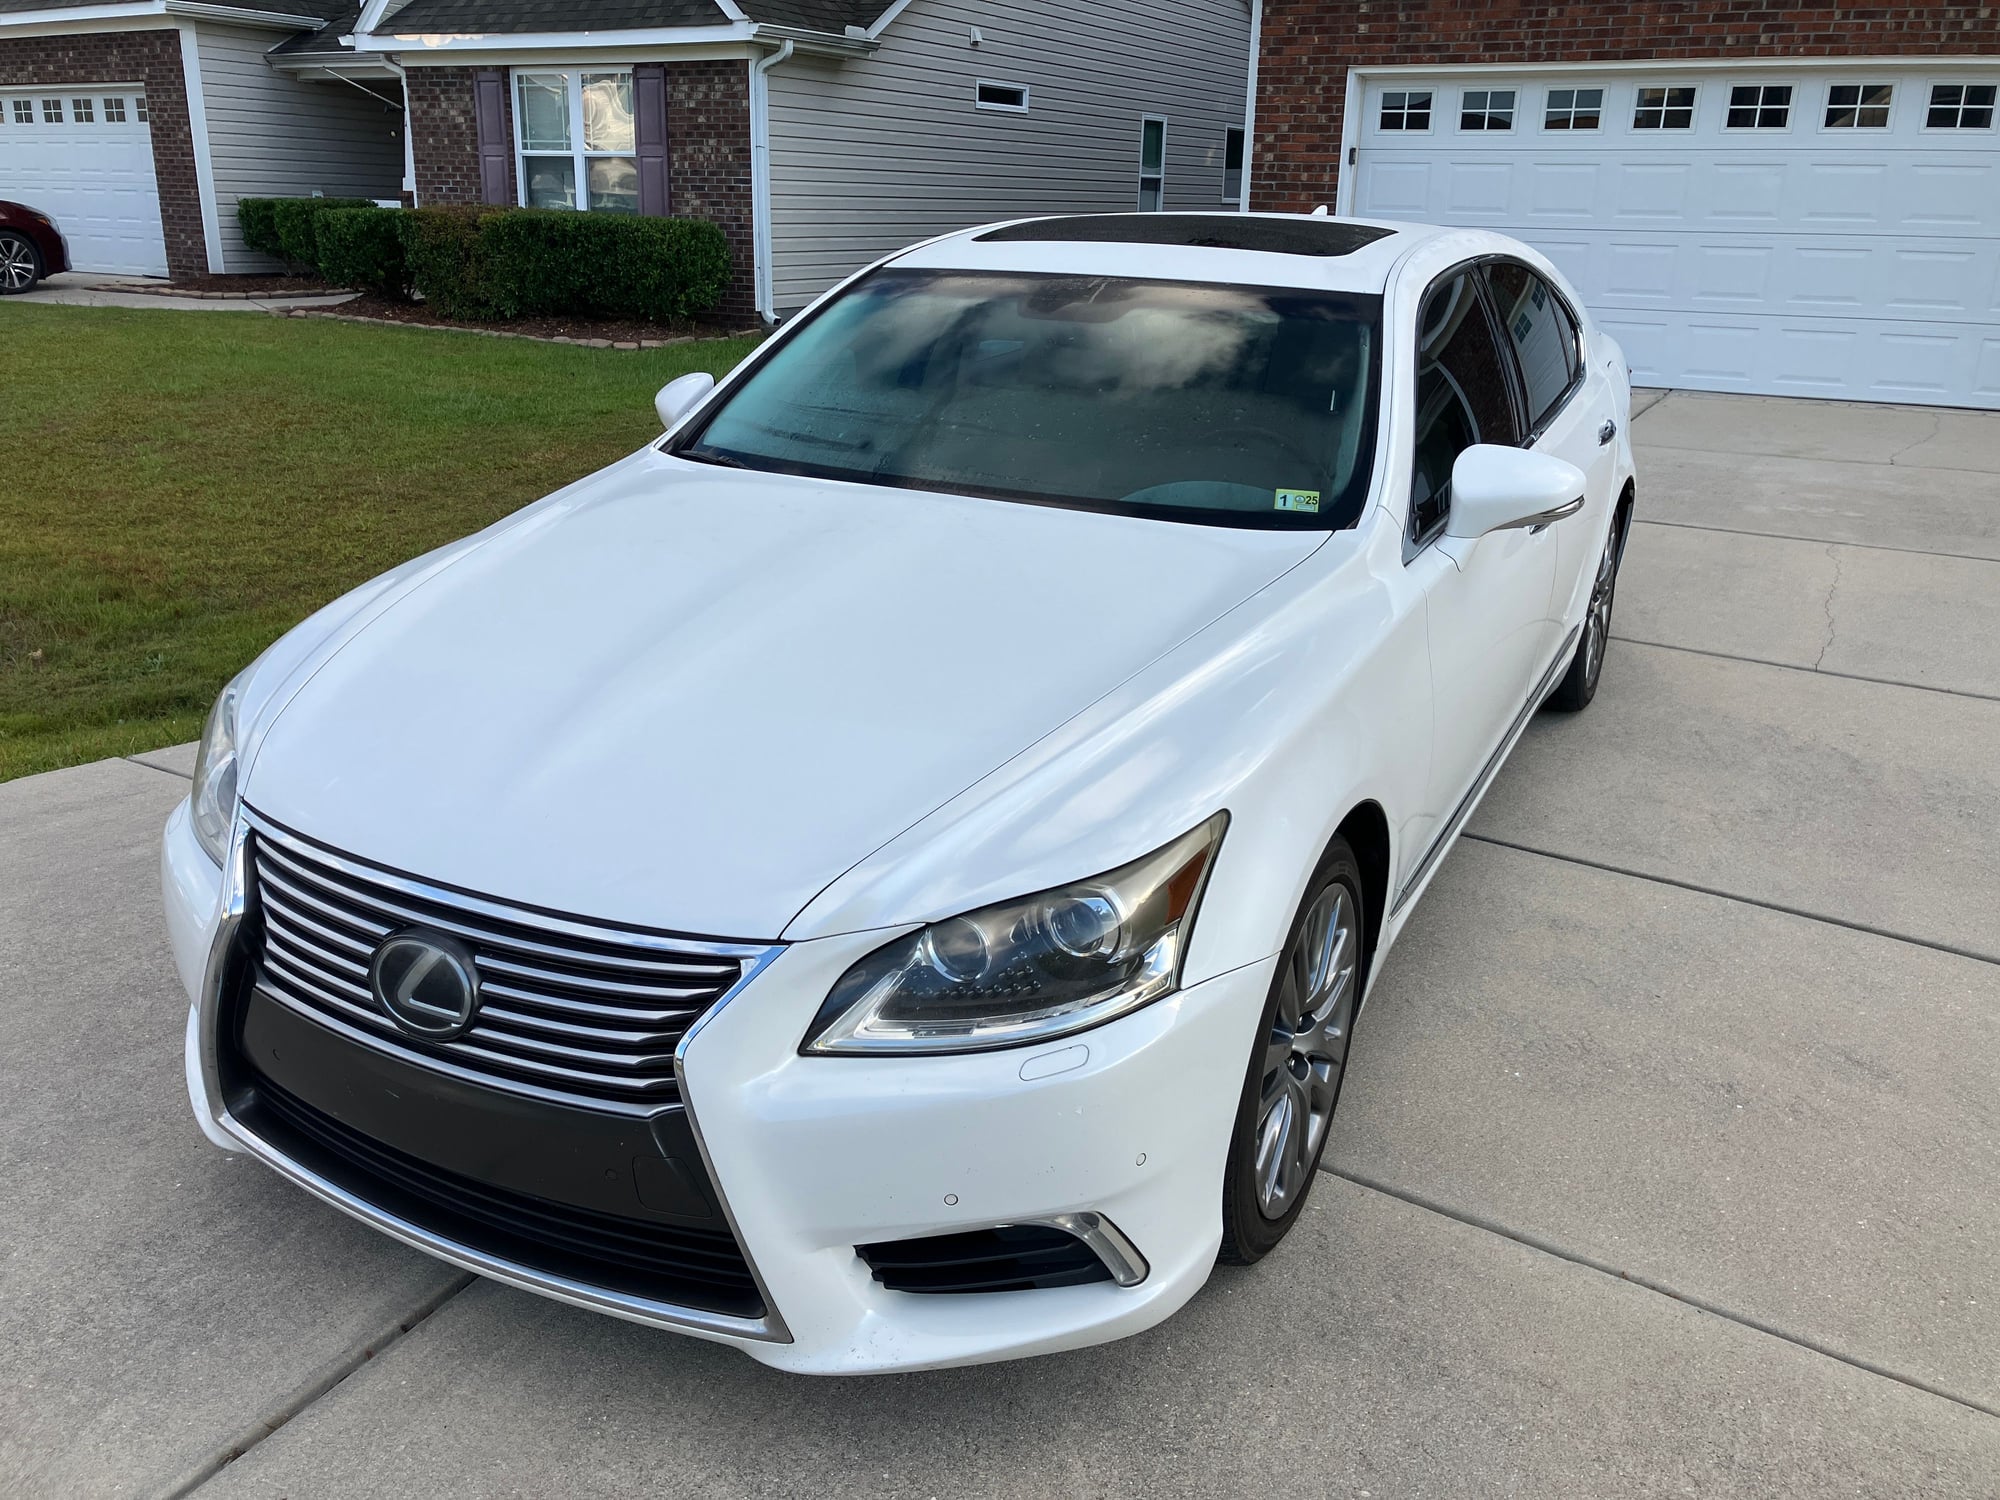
(1568, 408)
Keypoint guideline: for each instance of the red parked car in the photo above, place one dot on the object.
(31, 247)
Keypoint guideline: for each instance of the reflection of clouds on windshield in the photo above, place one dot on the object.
(1155, 348)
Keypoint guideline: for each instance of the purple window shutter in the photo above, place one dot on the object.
(496, 142)
(649, 85)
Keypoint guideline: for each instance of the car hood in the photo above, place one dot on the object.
(689, 698)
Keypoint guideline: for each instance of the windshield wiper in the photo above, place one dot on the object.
(711, 456)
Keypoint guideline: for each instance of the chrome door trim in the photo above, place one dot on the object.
(1498, 758)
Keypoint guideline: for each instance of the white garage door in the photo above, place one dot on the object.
(83, 155)
(1794, 230)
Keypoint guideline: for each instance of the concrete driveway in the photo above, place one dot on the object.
(1668, 1164)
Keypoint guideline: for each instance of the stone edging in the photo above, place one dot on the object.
(508, 333)
(169, 291)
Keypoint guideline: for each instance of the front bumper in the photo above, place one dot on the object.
(811, 1157)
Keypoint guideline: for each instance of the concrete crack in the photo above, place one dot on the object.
(1832, 551)
(1937, 426)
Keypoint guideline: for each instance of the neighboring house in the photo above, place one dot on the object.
(136, 124)
(821, 134)
(1778, 197)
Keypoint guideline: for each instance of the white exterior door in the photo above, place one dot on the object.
(83, 155)
(1787, 229)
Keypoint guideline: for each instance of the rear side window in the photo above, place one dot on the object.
(1463, 395)
(1543, 335)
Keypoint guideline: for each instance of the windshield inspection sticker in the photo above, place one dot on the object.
(1306, 500)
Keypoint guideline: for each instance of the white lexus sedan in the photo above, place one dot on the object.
(886, 875)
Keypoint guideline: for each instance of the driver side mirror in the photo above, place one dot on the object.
(680, 396)
(1496, 489)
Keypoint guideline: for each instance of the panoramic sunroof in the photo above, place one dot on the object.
(1304, 236)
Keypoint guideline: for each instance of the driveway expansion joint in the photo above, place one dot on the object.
(1739, 898)
(1792, 666)
(1654, 1284)
(327, 1382)
(1818, 541)
(163, 770)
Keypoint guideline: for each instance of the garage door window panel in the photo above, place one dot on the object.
(1961, 106)
(1487, 109)
(1406, 110)
(1573, 109)
(83, 111)
(1465, 395)
(52, 112)
(24, 111)
(1859, 106)
(1664, 109)
(1760, 106)
(114, 111)
(1544, 334)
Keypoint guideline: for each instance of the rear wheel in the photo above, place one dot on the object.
(1297, 1065)
(20, 263)
(1579, 683)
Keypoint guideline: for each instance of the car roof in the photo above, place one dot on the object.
(1315, 252)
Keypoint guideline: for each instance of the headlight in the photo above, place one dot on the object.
(212, 806)
(1027, 970)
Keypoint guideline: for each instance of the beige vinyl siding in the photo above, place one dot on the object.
(870, 154)
(271, 135)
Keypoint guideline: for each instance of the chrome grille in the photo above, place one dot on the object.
(568, 1008)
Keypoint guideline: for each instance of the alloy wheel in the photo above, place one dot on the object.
(1307, 1049)
(1597, 622)
(17, 264)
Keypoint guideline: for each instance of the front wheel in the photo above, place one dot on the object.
(20, 264)
(1297, 1064)
(1579, 683)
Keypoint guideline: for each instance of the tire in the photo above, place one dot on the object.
(1579, 683)
(1297, 1064)
(20, 263)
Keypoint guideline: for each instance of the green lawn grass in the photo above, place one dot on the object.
(177, 489)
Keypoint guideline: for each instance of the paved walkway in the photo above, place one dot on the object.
(1667, 1166)
(76, 289)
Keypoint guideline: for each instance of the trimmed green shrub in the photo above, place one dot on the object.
(363, 247)
(257, 217)
(442, 258)
(293, 219)
(540, 262)
(529, 262)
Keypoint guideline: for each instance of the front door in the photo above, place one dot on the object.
(1487, 597)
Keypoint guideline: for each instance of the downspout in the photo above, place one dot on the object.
(760, 178)
(409, 136)
(1250, 106)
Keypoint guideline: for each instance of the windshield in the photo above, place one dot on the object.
(1229, 405)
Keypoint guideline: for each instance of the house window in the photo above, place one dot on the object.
(24, 111)
(52, 112)
(1486, 109)
(1574, 109)
(114, 111)
(1760, 106)
(1858, 106)
(1152, 164)
(1961, 106)
(574, 134)
(139, 108)
(1406, 109)
(1232, 166)
(82, 111)
(1664, 109)
(1008, 96)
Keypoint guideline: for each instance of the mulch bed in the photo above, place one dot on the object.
(599, 333)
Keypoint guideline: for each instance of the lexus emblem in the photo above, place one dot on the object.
(427, 983)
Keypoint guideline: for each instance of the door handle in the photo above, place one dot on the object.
(1606, 433)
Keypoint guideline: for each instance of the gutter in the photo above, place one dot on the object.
(760, 177)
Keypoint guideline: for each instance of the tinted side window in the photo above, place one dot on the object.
(1463, 395)
(1543, 335)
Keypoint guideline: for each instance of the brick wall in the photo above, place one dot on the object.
(444, 136)
(152, 58)
(1308, 46)
(708, 145)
